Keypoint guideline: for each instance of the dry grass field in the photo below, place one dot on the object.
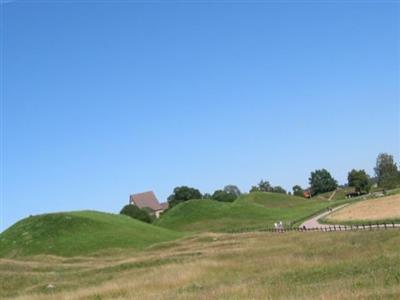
(317, 265)
(385, 208)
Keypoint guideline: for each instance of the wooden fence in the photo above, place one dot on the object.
(323, 228)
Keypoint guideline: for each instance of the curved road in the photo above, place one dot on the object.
(314, 224)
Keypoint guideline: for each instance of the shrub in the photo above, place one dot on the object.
(278, 189)
(265, 186)
(136, 213)
(182, 194)
(223, 196)
(298, 191)
(233, 189)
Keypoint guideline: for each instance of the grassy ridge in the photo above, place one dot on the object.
(78, 233)
(251, 210)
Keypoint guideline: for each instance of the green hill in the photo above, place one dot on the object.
(339, 194)
(251, 210)
(78, 233)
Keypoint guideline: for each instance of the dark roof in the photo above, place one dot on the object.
(146, 199)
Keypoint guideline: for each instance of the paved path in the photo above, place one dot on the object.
(314, 224)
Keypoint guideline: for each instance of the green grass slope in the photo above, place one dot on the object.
(339, 194)
(78, 233)
(251, 210)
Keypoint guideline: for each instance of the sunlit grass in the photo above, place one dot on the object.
(342, 265)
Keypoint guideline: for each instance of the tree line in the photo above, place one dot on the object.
(387, 176)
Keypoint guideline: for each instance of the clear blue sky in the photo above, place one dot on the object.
(101, 100)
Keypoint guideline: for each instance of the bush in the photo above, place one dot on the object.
(136, 213)
(265, 186)
(278, 189)
(233, 189)
(223, 196)
(182, 194)
(298, 191)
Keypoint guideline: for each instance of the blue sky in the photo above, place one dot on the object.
(101, 100)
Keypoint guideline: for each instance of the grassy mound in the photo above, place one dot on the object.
(78, 233)
(252, 210)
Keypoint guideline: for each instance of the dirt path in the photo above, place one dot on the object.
(332, 195)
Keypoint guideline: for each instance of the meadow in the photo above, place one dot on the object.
(198, 250)
(385, 209)
(315, 265)
(250, 211)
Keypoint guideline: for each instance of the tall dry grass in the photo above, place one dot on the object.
(341, 265)
(370, 210)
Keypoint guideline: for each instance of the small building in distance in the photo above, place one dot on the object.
(307, 193)
(148, 200)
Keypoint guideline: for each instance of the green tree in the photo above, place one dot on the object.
(278, 189)
(223, 196)
(254, 188)
(263, 186)
(232, 189)
(206, 196)
(136, 213)
(360, 180)
(386, 171)
(298, 191)
(321, 181)
(182, 194)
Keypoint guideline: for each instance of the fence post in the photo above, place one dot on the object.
(385, 225)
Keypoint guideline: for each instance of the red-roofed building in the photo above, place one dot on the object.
(148, 200)
(307, 193)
